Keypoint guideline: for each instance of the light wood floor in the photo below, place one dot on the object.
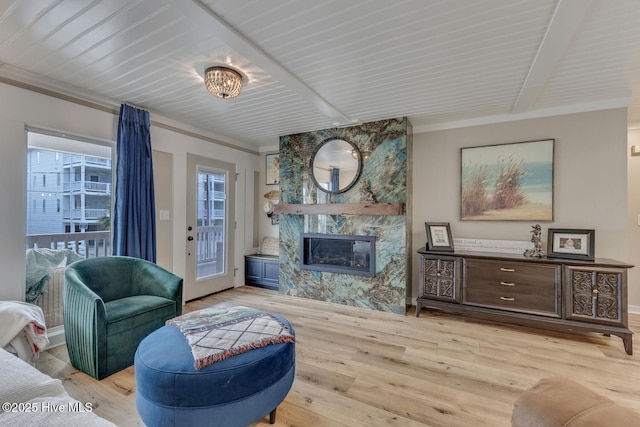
(357, 367)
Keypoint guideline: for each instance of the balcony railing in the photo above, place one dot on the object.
(70, 159)
(90, 244)
(89, 214)
(210, 241)
(88, 187)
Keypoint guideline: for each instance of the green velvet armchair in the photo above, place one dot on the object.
(110, 305)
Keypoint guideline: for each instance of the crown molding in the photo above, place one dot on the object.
(536, 114)
(36, 83)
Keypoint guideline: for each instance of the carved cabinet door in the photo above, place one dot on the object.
(595, 294)
(440, 278)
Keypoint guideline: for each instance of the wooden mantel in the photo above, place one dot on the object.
(364, 208)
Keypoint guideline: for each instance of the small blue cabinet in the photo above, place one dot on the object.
(261, 271)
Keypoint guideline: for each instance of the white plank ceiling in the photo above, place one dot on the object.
(312, 64)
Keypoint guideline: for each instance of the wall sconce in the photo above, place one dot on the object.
(635, 151)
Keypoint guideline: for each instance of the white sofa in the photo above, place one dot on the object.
(30, 398)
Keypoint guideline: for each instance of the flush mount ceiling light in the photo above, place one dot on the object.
(223, 82)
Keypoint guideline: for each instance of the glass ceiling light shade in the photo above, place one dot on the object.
(223, 82)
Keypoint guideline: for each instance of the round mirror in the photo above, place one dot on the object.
(336, 166)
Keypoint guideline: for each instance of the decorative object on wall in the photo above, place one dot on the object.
(273, 195)
(268, 209)
(333, 171)
(223, 82)
(439, 237)
(571, 243)
(512, 182)
(536, 238)
(272, 169)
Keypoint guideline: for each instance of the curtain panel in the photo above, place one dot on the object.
(335, 179)
(134, 221)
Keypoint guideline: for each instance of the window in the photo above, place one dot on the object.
(79, 186)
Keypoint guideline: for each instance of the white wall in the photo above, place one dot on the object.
(590, 182)
(19, 107)
(634, 218)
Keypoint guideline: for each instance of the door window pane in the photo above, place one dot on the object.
(211, 223)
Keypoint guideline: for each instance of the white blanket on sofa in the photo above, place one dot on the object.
(23, 329)
(32, 398)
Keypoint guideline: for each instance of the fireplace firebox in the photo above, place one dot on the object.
(338, 253)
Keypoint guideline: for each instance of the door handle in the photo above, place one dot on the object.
(190, 238)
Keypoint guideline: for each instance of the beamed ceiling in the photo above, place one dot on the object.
(312, 64)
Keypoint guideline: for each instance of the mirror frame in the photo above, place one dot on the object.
(356, 178)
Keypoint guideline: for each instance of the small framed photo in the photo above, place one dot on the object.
(273, 169)
(439, 236)
(571, 244)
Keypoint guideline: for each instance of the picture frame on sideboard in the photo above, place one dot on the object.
(439, 237)
(571, 243)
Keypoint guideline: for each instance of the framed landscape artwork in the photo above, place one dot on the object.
(507, 182)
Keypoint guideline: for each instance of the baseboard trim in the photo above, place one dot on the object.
(56, 336)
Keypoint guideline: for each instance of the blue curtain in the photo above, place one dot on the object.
(134, 220)
(335, 179)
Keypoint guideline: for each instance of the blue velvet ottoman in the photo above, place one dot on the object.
(234, 392)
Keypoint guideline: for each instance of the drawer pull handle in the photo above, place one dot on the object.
(507, 283)
(507, 298)
(508, 270)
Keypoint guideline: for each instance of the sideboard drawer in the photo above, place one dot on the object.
(514, 286)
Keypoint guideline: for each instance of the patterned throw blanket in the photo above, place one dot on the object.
(216, 334)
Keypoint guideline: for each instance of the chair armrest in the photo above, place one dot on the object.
(151, 279)
(85, 324)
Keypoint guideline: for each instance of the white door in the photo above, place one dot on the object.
(210, 226)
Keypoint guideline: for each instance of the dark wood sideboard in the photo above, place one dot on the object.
(261, 271)
(554, 294)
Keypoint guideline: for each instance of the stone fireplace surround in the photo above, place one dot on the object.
(388, 172)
